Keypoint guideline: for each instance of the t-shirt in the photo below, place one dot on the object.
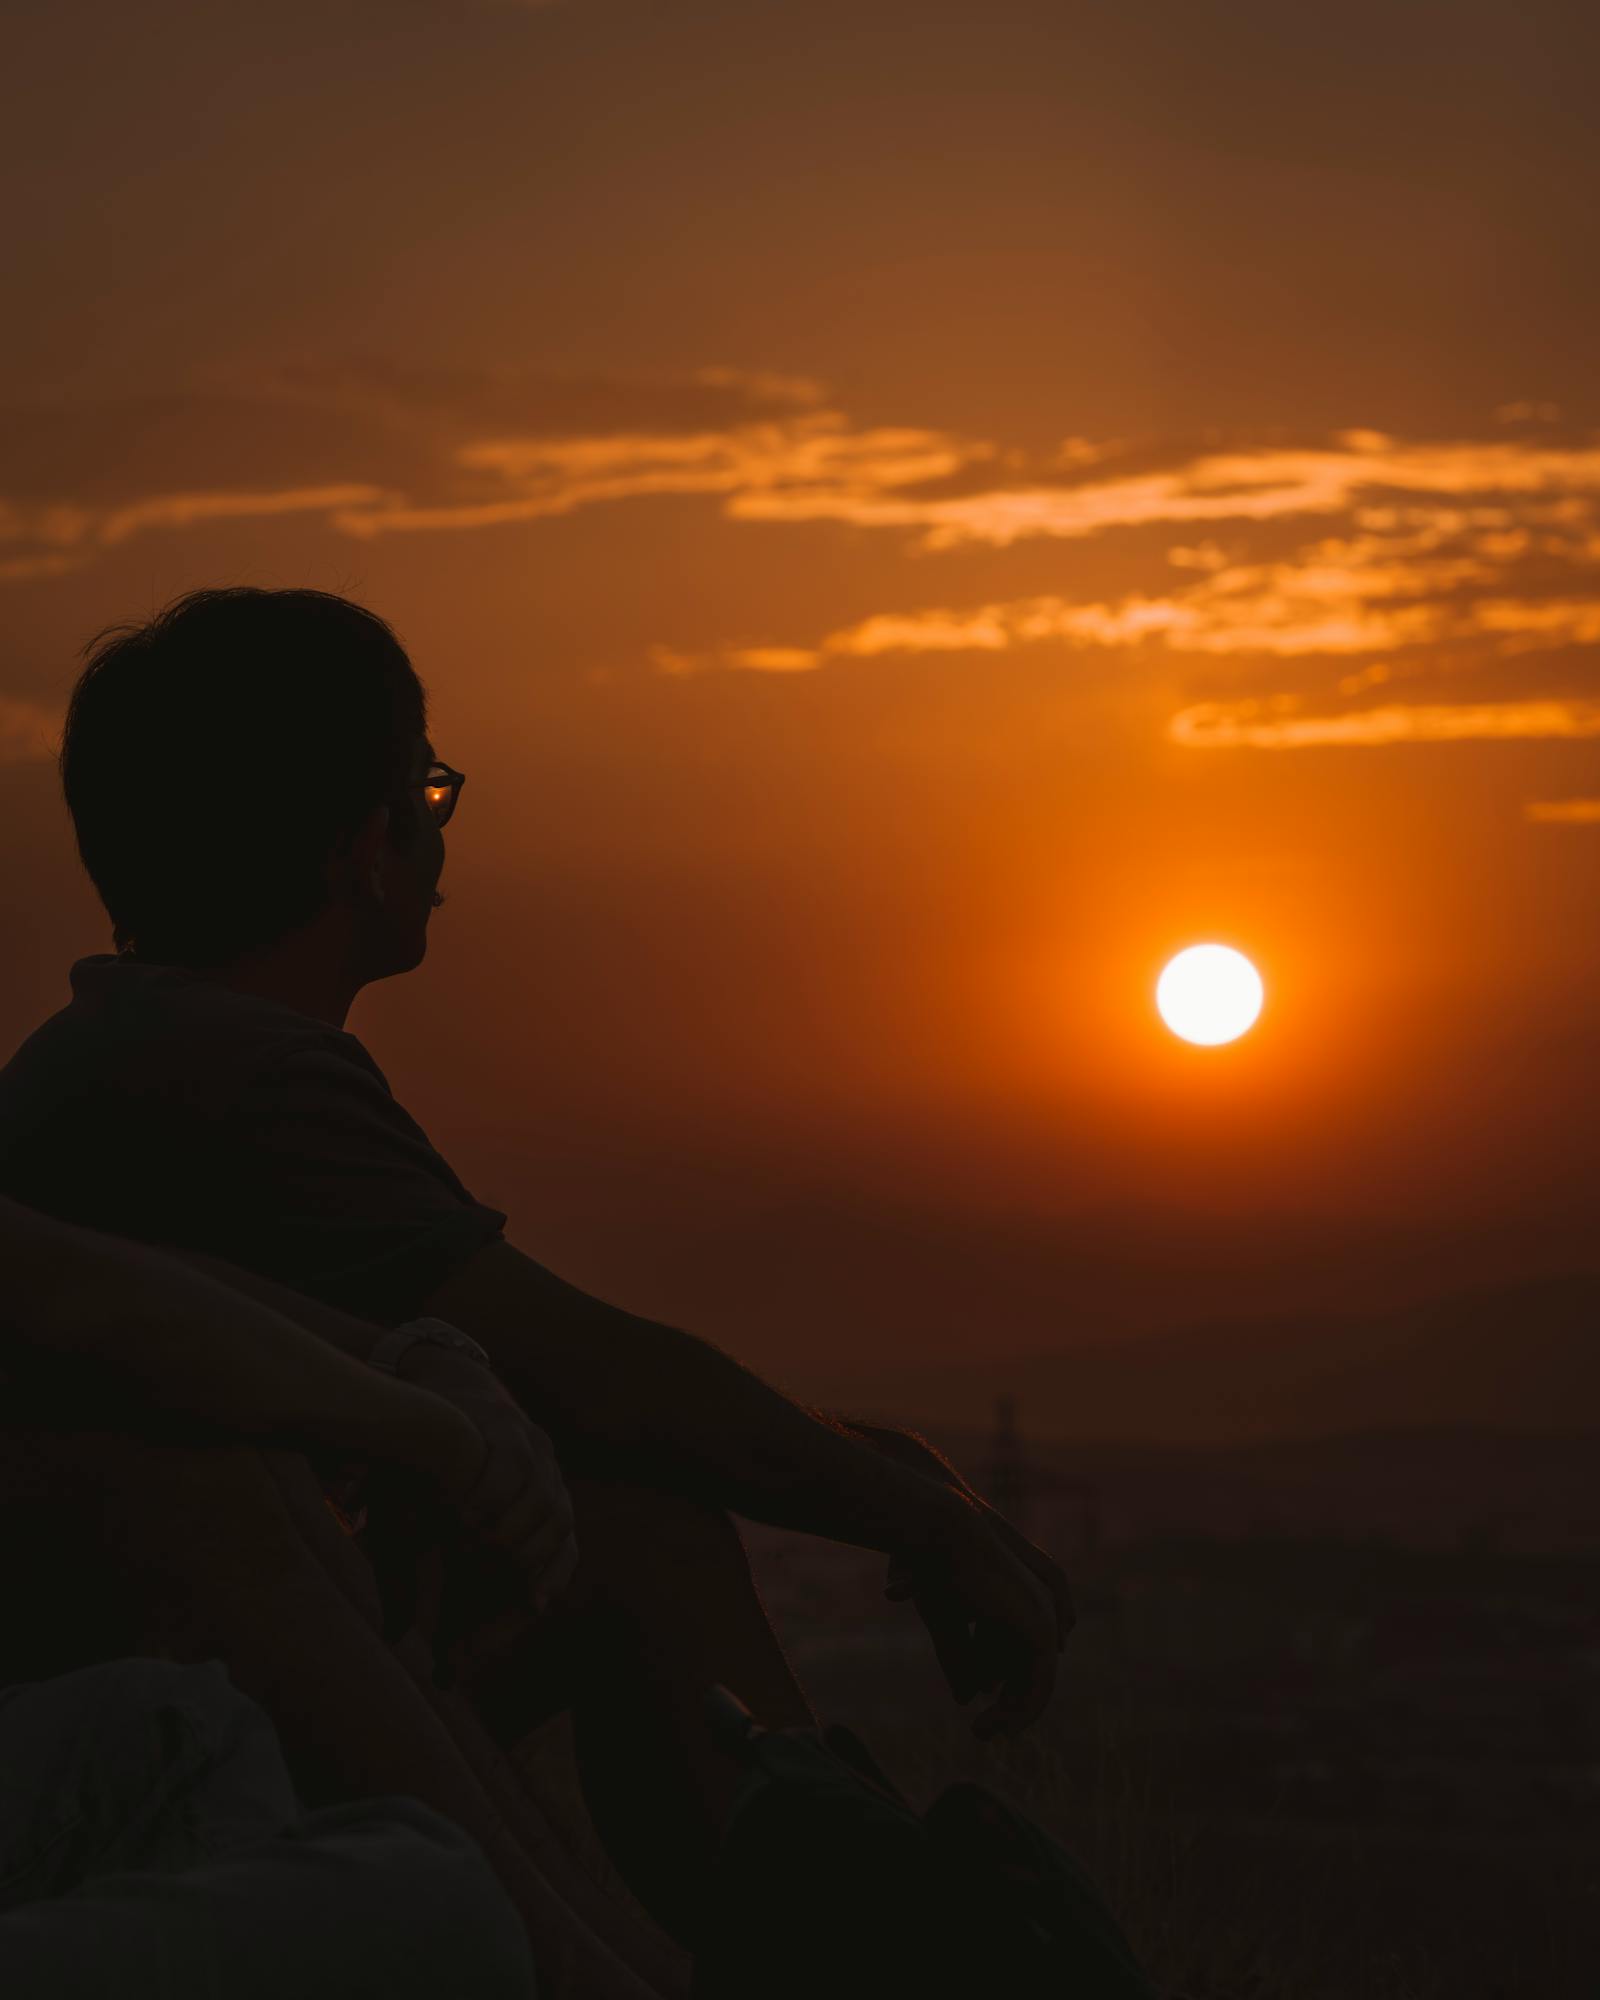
(162, 1106)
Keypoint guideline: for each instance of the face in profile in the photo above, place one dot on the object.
(411, 863)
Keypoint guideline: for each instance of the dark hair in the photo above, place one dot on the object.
(216, 757)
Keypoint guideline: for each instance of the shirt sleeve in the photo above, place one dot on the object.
(344, 1197)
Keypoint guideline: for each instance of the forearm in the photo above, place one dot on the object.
(808, 1470)
(649, 1402)
(186, 1345)
(352, 1336)
(706, 1421)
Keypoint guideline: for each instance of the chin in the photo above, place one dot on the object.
(404, 955)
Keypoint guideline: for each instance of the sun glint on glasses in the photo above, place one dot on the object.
(441, 788)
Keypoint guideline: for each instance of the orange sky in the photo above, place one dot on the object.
(908, 516)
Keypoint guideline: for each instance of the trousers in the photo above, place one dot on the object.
(153, 1847)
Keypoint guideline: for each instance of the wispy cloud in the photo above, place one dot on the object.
(1277, 724)
(429, 451)
(63, 538)
(29, 569)
(543, 476)
(193, 510)
(755, 659)
(1414, 558)
(1364, 595)
(1413, 596)
(1563, 812)
(1254, 486)
(463, 449)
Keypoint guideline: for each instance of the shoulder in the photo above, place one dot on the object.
(158, 1044)
(326, 1077)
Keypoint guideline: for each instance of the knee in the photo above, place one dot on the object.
(676, 1526)
(659, 1541)
(429, 1892)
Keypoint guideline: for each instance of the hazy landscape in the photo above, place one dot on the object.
(1517, 1357)
(1329, 1727)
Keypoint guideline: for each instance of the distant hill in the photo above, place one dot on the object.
(1459, 1488)
(1520, 1358)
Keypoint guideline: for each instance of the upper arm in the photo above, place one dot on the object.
(343, 1197)
(45, 1262)
(63, 1292)
(560, 1348)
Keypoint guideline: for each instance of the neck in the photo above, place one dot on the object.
(301, 972)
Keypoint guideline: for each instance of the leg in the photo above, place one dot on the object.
(663, 1608)
(217, 1553)
(152, 1842)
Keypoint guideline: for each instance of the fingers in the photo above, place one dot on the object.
(536, 1532)
(951, 1633)
(520, 1503)
(1044, 1567)
(1020, 1650)
(1017, 1626)
(519, 1457)
(1055, 1583)
(1066, 1610)
(505, 1476)
(1028, 1684)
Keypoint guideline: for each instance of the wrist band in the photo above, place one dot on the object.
(432, 1333)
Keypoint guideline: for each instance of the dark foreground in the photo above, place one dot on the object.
(1328, 1736)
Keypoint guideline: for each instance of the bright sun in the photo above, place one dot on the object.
(1209, 994)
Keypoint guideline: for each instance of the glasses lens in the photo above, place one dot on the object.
(440, 793)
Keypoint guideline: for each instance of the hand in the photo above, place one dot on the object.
(915, 1453)
(920, 1456)
(513, 1496)
(998, 1612)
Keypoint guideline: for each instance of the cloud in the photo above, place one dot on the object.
(1275, 724)
(1276, 623)
(1528, 413)
(394, 449)
(1563, 812)
(1250, 486)
(1400, 592)
(557, 475)
(29, 732)
(190, 510)
(806, 463)
(754, 659)
(1356, 596)
(1556, 622)
(471, 403)
(64, 538)
(31, 569)
(1490, 546)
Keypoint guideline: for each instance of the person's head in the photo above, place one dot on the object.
(248, 764)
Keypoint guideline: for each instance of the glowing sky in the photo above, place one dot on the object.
(909, 515)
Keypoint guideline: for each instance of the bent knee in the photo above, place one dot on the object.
(428, 1890)
(634, 1532)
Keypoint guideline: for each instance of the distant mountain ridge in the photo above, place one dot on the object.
(1523, 1358)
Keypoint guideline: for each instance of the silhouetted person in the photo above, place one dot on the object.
(158, 1432)
(153, 1838)
(261, 809)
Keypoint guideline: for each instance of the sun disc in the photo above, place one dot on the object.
(1209, 994)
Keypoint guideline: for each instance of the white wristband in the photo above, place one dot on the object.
(434, 1333)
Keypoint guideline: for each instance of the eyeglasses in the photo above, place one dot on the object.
(441, 788)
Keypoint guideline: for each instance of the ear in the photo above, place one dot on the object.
(364, 857)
